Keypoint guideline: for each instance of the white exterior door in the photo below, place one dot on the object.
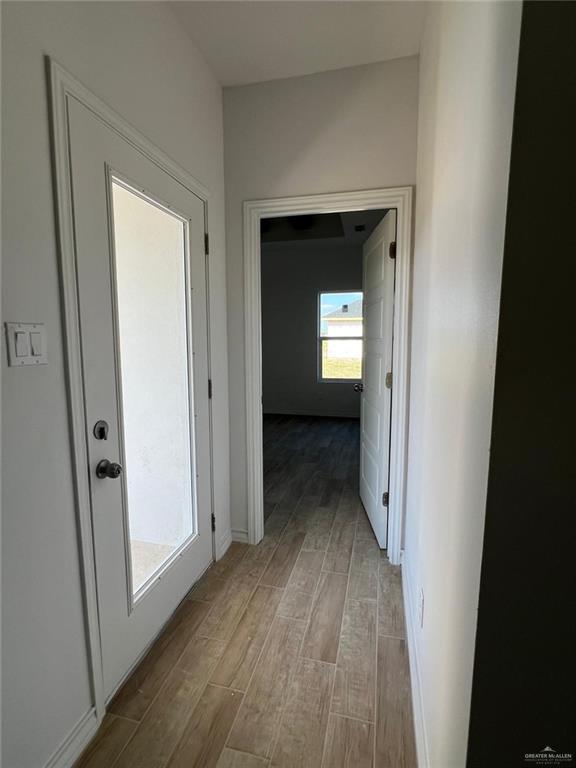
(143, 313)
(377, 363)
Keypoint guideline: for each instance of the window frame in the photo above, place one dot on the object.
(320, 338)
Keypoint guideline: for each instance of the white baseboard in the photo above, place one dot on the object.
(77, 741)
(415, 677)
(239, 534)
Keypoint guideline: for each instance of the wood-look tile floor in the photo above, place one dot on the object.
(291, 653)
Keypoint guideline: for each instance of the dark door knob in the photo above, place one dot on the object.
(359, 387)
(107, 468)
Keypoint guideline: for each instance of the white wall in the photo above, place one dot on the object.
(293, 274)
(467, 83)
(337, 131)
(134, 56)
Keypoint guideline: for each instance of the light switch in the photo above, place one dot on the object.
(26, 344)
(36, 343)
(22, 343)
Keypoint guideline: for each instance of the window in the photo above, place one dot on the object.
(152, 290)
(340, 336)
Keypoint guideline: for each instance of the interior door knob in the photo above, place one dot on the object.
(359, 387)
(109, 469)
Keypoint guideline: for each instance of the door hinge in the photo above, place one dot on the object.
(209, 389)
(385, 499)
(389, 380)
(213, 518)
(392, 250)
(206, 243)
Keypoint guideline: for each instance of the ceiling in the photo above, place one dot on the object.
(350, 227)
(248, 41)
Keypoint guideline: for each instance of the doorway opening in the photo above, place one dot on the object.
(325, 435)
(321, 346)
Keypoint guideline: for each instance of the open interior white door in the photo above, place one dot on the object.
(376, 396)
(141, 273)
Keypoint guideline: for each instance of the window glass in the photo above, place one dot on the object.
(153, 342)
(340, 335)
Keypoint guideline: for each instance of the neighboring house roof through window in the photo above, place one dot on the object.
(347, 311)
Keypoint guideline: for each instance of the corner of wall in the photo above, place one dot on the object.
(239, 534)
(223, 543)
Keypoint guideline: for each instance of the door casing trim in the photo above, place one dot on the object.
(62, 87)
(399, 198)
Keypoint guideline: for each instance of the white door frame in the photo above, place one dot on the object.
(399, 198)
(64, 87)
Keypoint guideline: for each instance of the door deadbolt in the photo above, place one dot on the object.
(101, 430)
(359, 387)
(109, 469)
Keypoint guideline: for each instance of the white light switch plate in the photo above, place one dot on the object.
(26, 344)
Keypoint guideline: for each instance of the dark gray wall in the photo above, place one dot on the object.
(523, 695)
(293, 273)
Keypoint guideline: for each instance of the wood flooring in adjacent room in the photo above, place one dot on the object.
(290, 653)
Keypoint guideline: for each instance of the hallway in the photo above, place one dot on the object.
(290, 653)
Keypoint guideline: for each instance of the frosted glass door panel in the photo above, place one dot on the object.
(153, 349)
